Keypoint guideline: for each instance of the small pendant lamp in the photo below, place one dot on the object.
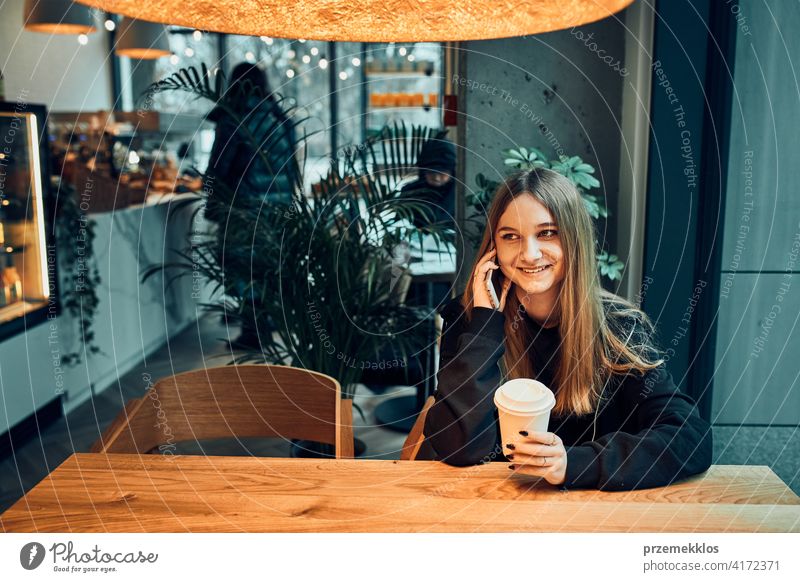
(140, 39)
(370, 20)
(58, 17)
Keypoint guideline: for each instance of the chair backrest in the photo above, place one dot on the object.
(235, 401)
(416, 436)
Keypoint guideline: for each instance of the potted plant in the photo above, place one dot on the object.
(311, 274)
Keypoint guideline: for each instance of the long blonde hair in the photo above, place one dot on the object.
(601, 333)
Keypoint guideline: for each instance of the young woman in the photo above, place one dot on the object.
(619, 421)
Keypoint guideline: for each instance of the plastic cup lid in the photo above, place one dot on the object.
(524, 395)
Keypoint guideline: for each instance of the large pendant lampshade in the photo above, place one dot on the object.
(140, 39)
(370, 20)
(58, 17)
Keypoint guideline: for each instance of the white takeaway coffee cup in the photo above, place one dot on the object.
(523, 405)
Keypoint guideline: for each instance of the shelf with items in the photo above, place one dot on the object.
(399, 74)
(127, 158)
(379, 67)
(27, 273)
(401, 82)
(426, 100)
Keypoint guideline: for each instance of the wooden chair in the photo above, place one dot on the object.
(414, 439)
(234, 402)
(416, 436)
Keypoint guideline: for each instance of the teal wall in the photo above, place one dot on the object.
(758, 339)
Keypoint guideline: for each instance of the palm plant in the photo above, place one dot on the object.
(573, 168)
(311, 274)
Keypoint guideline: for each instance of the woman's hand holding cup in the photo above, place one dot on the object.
(482, 280)
(540, 454)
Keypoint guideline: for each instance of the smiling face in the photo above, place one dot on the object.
(529, 251)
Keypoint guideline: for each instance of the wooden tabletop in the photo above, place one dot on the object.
(131, 493)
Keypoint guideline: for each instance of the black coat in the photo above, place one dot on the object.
(235, 161)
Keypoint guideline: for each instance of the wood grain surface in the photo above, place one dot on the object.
(93, 492)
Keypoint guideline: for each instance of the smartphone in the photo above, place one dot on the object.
(493, 283)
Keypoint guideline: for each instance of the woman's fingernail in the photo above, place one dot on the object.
(523, 432)
(509, 456)
(510, 446)
(511, 467)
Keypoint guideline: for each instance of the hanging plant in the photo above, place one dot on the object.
(75, 234)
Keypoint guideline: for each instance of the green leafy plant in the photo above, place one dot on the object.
(311, 274)
(573, 167)
(80, 277)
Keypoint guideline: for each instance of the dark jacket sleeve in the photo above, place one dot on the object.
(668, 441)
(461, 426)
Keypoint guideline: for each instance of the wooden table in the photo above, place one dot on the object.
(130, 493)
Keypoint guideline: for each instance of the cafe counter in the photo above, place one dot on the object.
(133, 318)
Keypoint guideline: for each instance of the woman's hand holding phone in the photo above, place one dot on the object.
(482, 284)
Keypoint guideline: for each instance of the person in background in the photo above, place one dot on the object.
(619, 422)
(233, 159)
(435, 183)
(251, 178)
(434, 187)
